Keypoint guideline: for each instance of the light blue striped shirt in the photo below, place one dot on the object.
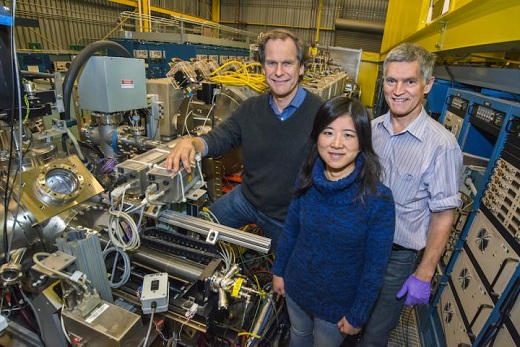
(422, 165)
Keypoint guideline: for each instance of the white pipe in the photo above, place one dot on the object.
(360, 26)
(76, 145)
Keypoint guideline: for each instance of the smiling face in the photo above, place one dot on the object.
(282, 68)
(338, 146)
(404, 89)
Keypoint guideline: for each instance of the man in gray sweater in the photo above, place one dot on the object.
(273, 130)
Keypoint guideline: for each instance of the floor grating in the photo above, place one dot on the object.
(406, 333)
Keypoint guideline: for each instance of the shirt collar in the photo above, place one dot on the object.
(296, 101)
(298, 98)
(416, 128)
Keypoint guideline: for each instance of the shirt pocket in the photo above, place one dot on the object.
(405, 186)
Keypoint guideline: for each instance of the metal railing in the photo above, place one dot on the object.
(178, 24)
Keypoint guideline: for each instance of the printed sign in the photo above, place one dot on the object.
(127, 84)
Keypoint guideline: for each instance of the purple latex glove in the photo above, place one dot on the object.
(417, 291)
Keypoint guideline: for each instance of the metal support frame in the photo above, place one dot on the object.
(213, 230)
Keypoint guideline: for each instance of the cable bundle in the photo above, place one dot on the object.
(241, 76)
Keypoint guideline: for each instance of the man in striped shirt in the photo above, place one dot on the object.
(422, 163)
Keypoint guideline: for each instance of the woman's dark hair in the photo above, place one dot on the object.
(329, 112)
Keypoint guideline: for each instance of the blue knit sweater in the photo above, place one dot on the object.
(334, 250)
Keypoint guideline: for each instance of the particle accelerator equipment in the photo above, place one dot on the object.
(100, 240)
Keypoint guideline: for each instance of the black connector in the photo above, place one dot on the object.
(118, 182)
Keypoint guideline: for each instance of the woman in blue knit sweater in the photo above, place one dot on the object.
(338, 233)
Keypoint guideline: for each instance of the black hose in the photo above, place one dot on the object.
(77, 64)
(92, 148)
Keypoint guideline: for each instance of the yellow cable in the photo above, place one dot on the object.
(240, 77)
(250, 334)
(257, 283)
(226, 64)
(239, 80)
(26, 99)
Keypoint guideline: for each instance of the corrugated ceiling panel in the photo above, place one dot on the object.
(62, 22)
(66, 22)
(362, 10)
(301, 14)
(199, 8)
(328, 17)
(326, 37)
(298, 16)
(366, 42)
(365, 10)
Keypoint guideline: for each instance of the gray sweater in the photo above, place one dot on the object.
(273, 150)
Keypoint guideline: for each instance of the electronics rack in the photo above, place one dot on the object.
(475, 297)
(157, 56)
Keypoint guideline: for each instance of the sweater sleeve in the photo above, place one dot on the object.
(288, 238)
(228, 134)
(380, 235)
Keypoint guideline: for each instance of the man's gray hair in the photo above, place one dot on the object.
(410, 52)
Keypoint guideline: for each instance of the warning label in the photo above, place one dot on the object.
(127, 84)
(96, 313)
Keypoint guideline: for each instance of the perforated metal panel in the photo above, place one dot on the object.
(494, 255)
(451, 320)
(474, 298)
